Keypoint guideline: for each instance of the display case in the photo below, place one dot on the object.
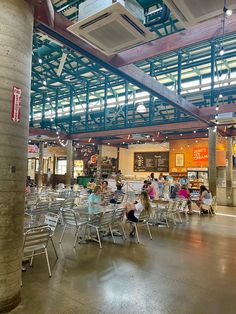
(197, 177)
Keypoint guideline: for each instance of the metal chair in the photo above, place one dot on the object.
(35, 243)
(51, 220)
(102, 222)
(69, 203)
(209, 207)
(118, 221)
(143, 220)
(71, 222)
(56, 206)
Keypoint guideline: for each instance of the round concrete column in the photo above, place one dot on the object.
(40, 173)
(70, 162)
(16, 26)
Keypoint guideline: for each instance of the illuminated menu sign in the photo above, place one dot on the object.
(151, 162)
(200, 154)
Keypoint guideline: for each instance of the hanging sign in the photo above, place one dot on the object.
(16, 104)
(200, 154)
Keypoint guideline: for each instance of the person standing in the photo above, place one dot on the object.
(118, 179)
(49, 176)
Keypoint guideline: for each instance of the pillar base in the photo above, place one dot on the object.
(8, 305)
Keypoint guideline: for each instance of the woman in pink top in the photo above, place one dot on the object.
(184, 193)
(151, 190)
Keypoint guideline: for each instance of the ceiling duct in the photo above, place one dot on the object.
(191, 12)
(227, 118)
(111, 27)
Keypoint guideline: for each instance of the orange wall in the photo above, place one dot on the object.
(186, 147)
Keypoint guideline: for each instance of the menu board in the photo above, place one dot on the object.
(151, 162)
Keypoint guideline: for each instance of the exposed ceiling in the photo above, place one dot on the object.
(88, 98)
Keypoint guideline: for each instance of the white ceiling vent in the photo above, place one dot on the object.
(191, 12)
(112, 29)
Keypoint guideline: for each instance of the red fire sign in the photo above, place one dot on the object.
(16, 104)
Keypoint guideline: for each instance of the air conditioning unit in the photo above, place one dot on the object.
(227, 118)
(111, 26)
(191, 12)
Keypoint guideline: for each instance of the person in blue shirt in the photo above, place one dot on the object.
(96, 197)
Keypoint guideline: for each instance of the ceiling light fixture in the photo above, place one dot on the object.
(221, 52)
(141, 108)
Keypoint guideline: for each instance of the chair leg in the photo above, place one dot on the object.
(99, 239)
(180, 219)
(76, 236)
(136, 230)
(123, 230)
(62, 234)
(54, 247)
(110, 228)
(49, 269)
(149, 231)
(32, 259)
(167, 224)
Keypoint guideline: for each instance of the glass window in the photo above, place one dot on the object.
(61, 166)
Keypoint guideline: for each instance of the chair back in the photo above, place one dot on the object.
(120, 198)
(107, 218)
(119, 215)
(36, 238)
(51, 220)
(56, 207)
(42, 206)
(144, 216)
(69, 218)
(69, 202)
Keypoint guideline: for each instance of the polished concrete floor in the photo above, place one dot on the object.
(190, 268)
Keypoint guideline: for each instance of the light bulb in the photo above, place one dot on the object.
(221, 52)
(228, 12)
(40, 61)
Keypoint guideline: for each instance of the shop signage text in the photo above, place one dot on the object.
(200, 154)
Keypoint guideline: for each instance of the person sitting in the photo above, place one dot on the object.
(175, 191)
(117, 195)
(105, 188)
(95, 199)
(204, 199)
(91, 185)
(133, 211)
(185, 194)
(151, 191)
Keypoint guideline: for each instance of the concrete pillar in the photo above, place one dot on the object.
(99, 164)
(40, 175)
(16, 26)
(212, 160)
(229, 172)
(70, 162)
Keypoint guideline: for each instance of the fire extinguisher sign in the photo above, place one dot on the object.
(16, 104)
